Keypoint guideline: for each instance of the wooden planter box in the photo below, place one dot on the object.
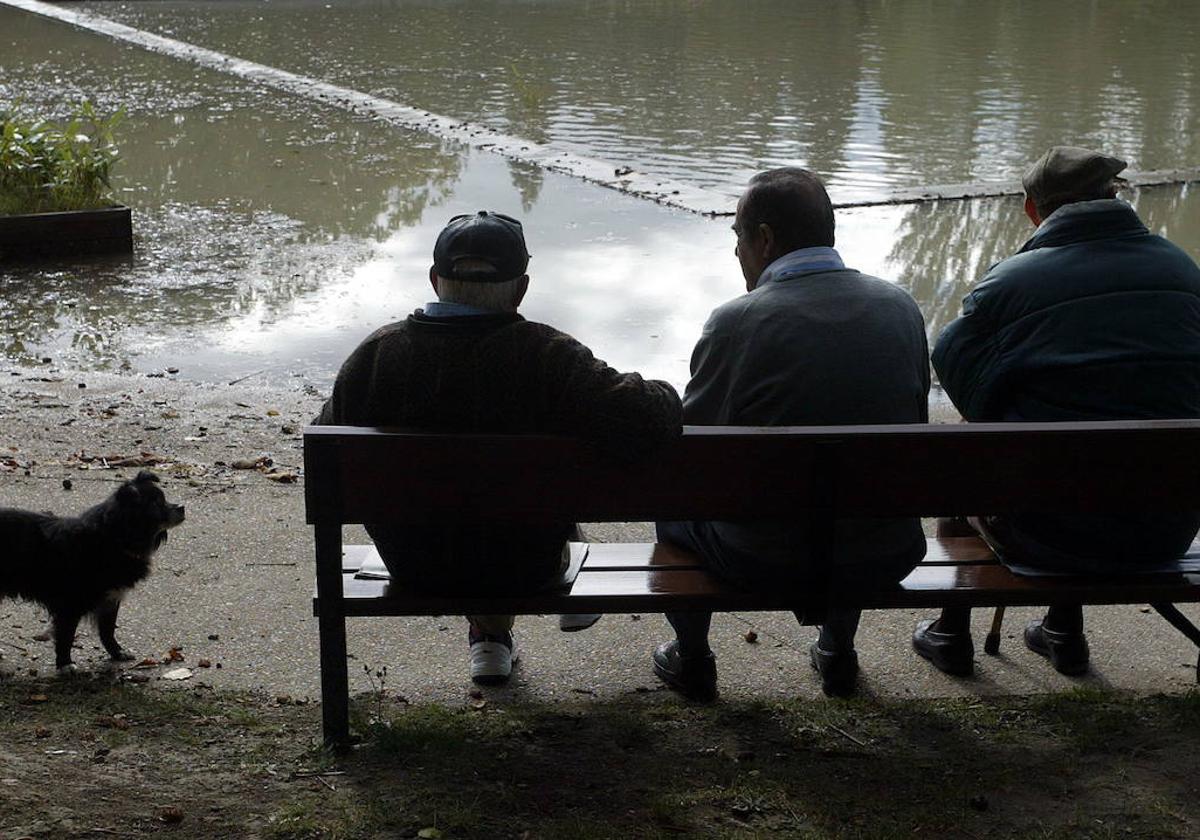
(108, 230)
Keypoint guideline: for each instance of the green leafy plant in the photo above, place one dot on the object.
(46, 167)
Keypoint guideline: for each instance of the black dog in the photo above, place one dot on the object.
(76, 566)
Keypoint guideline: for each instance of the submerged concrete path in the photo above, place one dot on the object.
(550, 156)
(233, 584)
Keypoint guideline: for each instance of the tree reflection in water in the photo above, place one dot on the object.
(943, 249)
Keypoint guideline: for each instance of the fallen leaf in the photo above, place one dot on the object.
(283, 477)
(175, 654)
(41, 732)
(205, 663)
(147, 663)
(430, 833)
(751, 637)
(113, 722)
(178, 674)
(37, 698)
(261, 462)
(171, 815)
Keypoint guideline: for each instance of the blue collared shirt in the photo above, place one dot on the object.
(801, 261)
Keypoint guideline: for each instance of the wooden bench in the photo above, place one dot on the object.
(357, 475)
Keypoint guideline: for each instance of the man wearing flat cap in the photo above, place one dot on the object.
(468, 362)
(1094, 318)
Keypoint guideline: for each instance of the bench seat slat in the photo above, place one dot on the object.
(644, 577)
(938, 551)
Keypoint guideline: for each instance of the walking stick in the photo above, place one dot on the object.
(991, 645)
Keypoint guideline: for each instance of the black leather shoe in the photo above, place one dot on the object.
(693, 677)
(1067, 652)
(839, 671)
(951, 653)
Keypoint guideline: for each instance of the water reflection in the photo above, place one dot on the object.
(942, 249)
(273, 233)
(873, 94)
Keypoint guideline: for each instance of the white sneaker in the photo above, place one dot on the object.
(492, 658)
(571, 622)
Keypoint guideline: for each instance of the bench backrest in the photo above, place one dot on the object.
(356, 475)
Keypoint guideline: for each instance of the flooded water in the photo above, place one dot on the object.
(275, 231)
(870, 94)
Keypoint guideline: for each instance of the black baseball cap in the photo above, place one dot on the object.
(482, 238)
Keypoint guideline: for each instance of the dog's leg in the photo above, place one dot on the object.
(106, 625)
(65, 625)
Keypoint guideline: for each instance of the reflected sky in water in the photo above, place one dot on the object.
(274, 233)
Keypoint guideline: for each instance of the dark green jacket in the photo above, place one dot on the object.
(1095, 318)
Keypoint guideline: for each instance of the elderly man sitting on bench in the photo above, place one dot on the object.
(1095, 318)
(811, 343)
(469, 363)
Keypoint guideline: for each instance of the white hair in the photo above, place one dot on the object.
(498, 297)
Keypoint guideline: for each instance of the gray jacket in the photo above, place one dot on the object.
(825, 347)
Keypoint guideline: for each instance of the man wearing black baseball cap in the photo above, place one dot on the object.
(1095, 318)
(468, 362)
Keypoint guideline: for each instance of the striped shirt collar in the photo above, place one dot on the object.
(801, 261)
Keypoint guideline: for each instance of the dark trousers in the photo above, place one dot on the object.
(1064, 618)
(691, 628)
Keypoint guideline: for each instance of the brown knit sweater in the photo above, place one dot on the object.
(492, 373)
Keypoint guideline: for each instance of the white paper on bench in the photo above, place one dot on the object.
(373, 568)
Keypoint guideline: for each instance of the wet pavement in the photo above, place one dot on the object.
(240, 570)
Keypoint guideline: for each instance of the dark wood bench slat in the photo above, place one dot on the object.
(716, 473)
(677, 584)
(693, 589)
(995, 586)
(938, 551)
(630, 556)
(622, 556)
(957, 551)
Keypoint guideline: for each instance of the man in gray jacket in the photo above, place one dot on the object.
(811, 343)
(1095, 318)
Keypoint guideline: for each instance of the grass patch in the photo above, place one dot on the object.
(1079, 764)
(46, 167)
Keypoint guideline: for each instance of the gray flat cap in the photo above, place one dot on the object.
(1067, 172)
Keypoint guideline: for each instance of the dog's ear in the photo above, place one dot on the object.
(146, 475)
(127, 492)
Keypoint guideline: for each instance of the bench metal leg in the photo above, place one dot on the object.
(991, 645)
(1181, 623)
(335, 681)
